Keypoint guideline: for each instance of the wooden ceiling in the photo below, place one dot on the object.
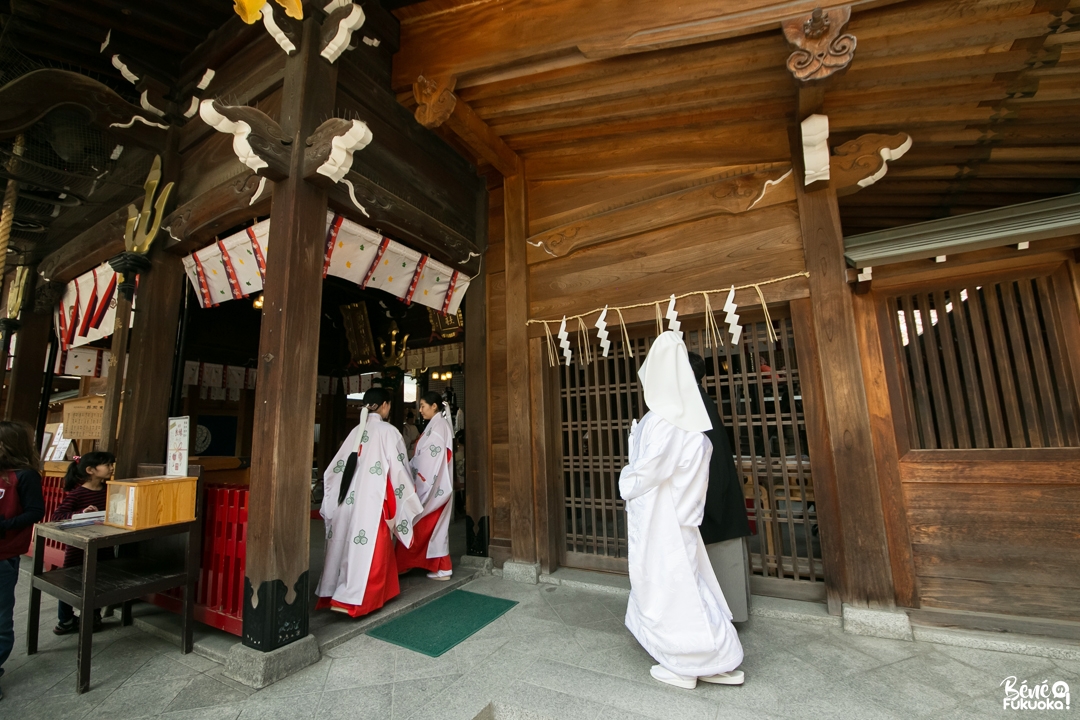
(989, 90)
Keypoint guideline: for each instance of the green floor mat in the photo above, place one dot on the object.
(434, 628)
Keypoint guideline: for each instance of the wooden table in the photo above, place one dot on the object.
(116, 582)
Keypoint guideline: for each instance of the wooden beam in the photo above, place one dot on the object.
(28, 365)
(477, 438)
(519, 421)
(477, 37)
(277, 577)
(866, 553)
(88, 249)
(148, 387)
(437, 104)
(193, 224)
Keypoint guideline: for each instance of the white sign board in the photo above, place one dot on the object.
(176, 460)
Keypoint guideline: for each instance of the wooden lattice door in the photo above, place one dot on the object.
(757, 389)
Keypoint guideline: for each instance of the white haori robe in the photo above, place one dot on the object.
(676, 608)
(353, 526)
(432, 463)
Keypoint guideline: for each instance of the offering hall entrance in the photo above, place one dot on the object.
(757, 388)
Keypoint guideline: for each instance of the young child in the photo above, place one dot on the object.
(84, 491)
(21, 505)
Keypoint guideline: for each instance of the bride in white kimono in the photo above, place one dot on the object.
(433, 464)
(676, 608)
(369, 498)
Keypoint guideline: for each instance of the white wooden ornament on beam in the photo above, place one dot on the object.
(339, 43)
(240, 131)
(815, 142)
(340, 161)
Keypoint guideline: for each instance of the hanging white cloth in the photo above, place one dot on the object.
(352, 527)
(676, 609)
(432, 463)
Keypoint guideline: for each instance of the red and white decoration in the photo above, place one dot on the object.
(83, 362)
(87, 310)
(234, 267)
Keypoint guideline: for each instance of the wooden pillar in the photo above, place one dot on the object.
(868, 574)
(114, 386)
(148, 389)
(276, 590)
(523, 514)
(477, 437)
(28, 366)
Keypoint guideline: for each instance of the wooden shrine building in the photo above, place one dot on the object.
(864, 215)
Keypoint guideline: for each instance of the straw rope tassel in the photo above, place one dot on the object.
(552, 352)
(659, 320)
(583, 332)
(768, 320)
(626, 335)
(712, 330)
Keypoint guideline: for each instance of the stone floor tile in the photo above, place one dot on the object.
(161, 667)
(556, 643)
(657, 700)
(532, 621)
(219, 712)
(196, 661)
(204, 692)
(311, 679)
(410, 696)
(372, 702)
(555, 595)
(376, 668)
(588, 684)
(833, 658)
(603, 635)
(548, 703)
(57, 707)
(632, 664)
(577, 614)
(135, 701)
(289, 707)
(901, 685)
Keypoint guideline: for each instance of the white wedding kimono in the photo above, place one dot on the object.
(676, 608)
(432, 465)
(355, 529)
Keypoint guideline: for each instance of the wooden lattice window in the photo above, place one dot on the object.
(987, 365)
(757, 388)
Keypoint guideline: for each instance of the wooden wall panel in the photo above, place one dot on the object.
(500, 482)
(711, 253)
(999, 536)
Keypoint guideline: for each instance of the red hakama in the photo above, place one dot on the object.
(416, 556)
(382, 585)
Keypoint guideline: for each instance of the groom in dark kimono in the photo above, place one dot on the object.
(724, 528)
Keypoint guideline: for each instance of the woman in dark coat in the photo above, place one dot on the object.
(724, 528)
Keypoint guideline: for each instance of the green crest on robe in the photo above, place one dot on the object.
(360, 539)
(349, 500)
(364, 438)
(403, 527)
(435, 450)
(377, 468)
(400, 490)
(401, 457)
(339, 466)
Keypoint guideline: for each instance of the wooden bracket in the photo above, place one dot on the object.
(285, 30)
(258, 141)
(437, 104)
(863, 161)
(330, 148)
(338, 29)
(821, 50)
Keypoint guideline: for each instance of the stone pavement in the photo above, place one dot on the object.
(561, 653)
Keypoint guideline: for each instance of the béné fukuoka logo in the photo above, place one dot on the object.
(1038, 696)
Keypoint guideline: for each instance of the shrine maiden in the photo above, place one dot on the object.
(676, 609)
(432, 464)
(369, 498)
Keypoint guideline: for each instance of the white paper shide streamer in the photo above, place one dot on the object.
(564, 341)
(602, 334)
(672, 315)
(731, 318)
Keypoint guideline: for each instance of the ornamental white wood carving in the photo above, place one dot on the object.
(815, 142)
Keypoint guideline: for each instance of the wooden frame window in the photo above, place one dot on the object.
(988, 363)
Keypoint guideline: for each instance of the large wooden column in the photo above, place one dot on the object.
(522, 507)
(477, 437)
(148, 388)
(276, 587)
(867, 573)
(28, 366)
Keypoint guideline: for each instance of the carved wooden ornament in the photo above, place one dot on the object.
(821, 48)
(258, 141)
(863, 161)
(345, 19)
(435, 100)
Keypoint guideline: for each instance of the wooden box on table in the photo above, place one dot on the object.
(140, 503)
